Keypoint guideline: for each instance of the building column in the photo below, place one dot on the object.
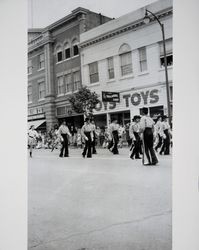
(50, 110)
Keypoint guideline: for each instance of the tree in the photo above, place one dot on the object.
(84, 101)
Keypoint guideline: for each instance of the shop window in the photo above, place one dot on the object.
(76, 77)
(125, 59)
(68, 81)
(41, 61)
(60, 85)
(41, 90)
(61, 111)
(143, 59)
(169, 53)
(93, 72)
(111, 74)
(59, 54)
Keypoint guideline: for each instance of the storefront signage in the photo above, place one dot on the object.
(110, 96)
(144, 97)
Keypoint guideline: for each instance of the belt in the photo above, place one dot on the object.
(31, 137)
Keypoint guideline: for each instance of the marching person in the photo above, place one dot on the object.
(159, 132)
(134, 132)
(93, 149)
(166, 136)
(87, 134)
(64, 133)
(114, 132)
(32, 137)
(147, 128)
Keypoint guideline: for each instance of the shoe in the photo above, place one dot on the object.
(131, 158)
(66, 155)
(89, 156)
(138, 158)
(83, 156)
(31, 154)
(60, 155)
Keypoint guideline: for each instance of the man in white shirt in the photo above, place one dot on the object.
(166, 136)
(64, 133)
(114, 132)
(32, 138)
(87, 134)
(134, 132)
(147, 128)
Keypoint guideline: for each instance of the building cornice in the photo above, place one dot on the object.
(124, 29)
(40, 41)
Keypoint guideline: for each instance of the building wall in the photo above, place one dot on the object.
(140, 87)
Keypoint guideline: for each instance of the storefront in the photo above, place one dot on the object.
(36, 117)
(131, 103)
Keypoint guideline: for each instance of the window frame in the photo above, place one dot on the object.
(30, 67)
(60, 86)
(68, 85)
(76, 84)
(91, 74)
(143, 60)
(30, 86)
(43, 91)
(41, 61)
(110, 68)
(128, 66)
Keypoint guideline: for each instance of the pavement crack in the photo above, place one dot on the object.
(103, 228)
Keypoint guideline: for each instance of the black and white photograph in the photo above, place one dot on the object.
(100, 129)
(103, 121)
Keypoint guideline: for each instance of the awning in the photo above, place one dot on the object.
(36, 123)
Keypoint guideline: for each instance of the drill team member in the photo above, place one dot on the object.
(64, 133)
(93, 149)
(147, 127)
(32, 137)
(166, 136)
(87, 134)
(134, 132)
(114, 132)
(158, 128)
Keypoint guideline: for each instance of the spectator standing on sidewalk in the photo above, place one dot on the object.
(65, 134)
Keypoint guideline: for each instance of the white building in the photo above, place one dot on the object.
(125, 55)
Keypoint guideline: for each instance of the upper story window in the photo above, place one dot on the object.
(93, 72)
(30, 93)
(75, 47)
(125, 59)
(30, 67)
(111, 74)
(76, 77)
(67, 51)
(41, 61)
(169, 53)
(68, 81)
(41, 90)
(60, 85)
(143, 59)
(59, 54)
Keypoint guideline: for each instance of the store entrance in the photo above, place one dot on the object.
(122, 117)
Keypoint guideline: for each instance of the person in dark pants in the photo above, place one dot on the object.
(64, 133)
(93, 149)
(166, 136)
(158, 128)
(87, 134)
(114, 131)
(147, 128)
(134, 131)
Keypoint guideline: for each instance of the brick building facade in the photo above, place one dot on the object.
(54, 70)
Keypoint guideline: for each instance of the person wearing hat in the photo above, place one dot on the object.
(64, 133)
(147, 128)
(114, 132)
(134, 132)
(87, 134)
(32, 138)
(166, 136)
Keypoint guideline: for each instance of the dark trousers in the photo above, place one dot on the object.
(148, 146)
(159, 142)
(114, 142)
(64, 148)
(136, 148)
(87, 147)
(166, 144)
(93, 145)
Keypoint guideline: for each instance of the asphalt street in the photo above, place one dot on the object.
(108, 202)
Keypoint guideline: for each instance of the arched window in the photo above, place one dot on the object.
(125, 59)
(59, 53)
(67, 50)
(75, 47)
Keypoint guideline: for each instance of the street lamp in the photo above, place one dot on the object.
(147, 19)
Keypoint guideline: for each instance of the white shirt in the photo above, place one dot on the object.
(33, 133)
(87, 128)
(134, 127)
(146, 122)
(113, 127)
(63, 129)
